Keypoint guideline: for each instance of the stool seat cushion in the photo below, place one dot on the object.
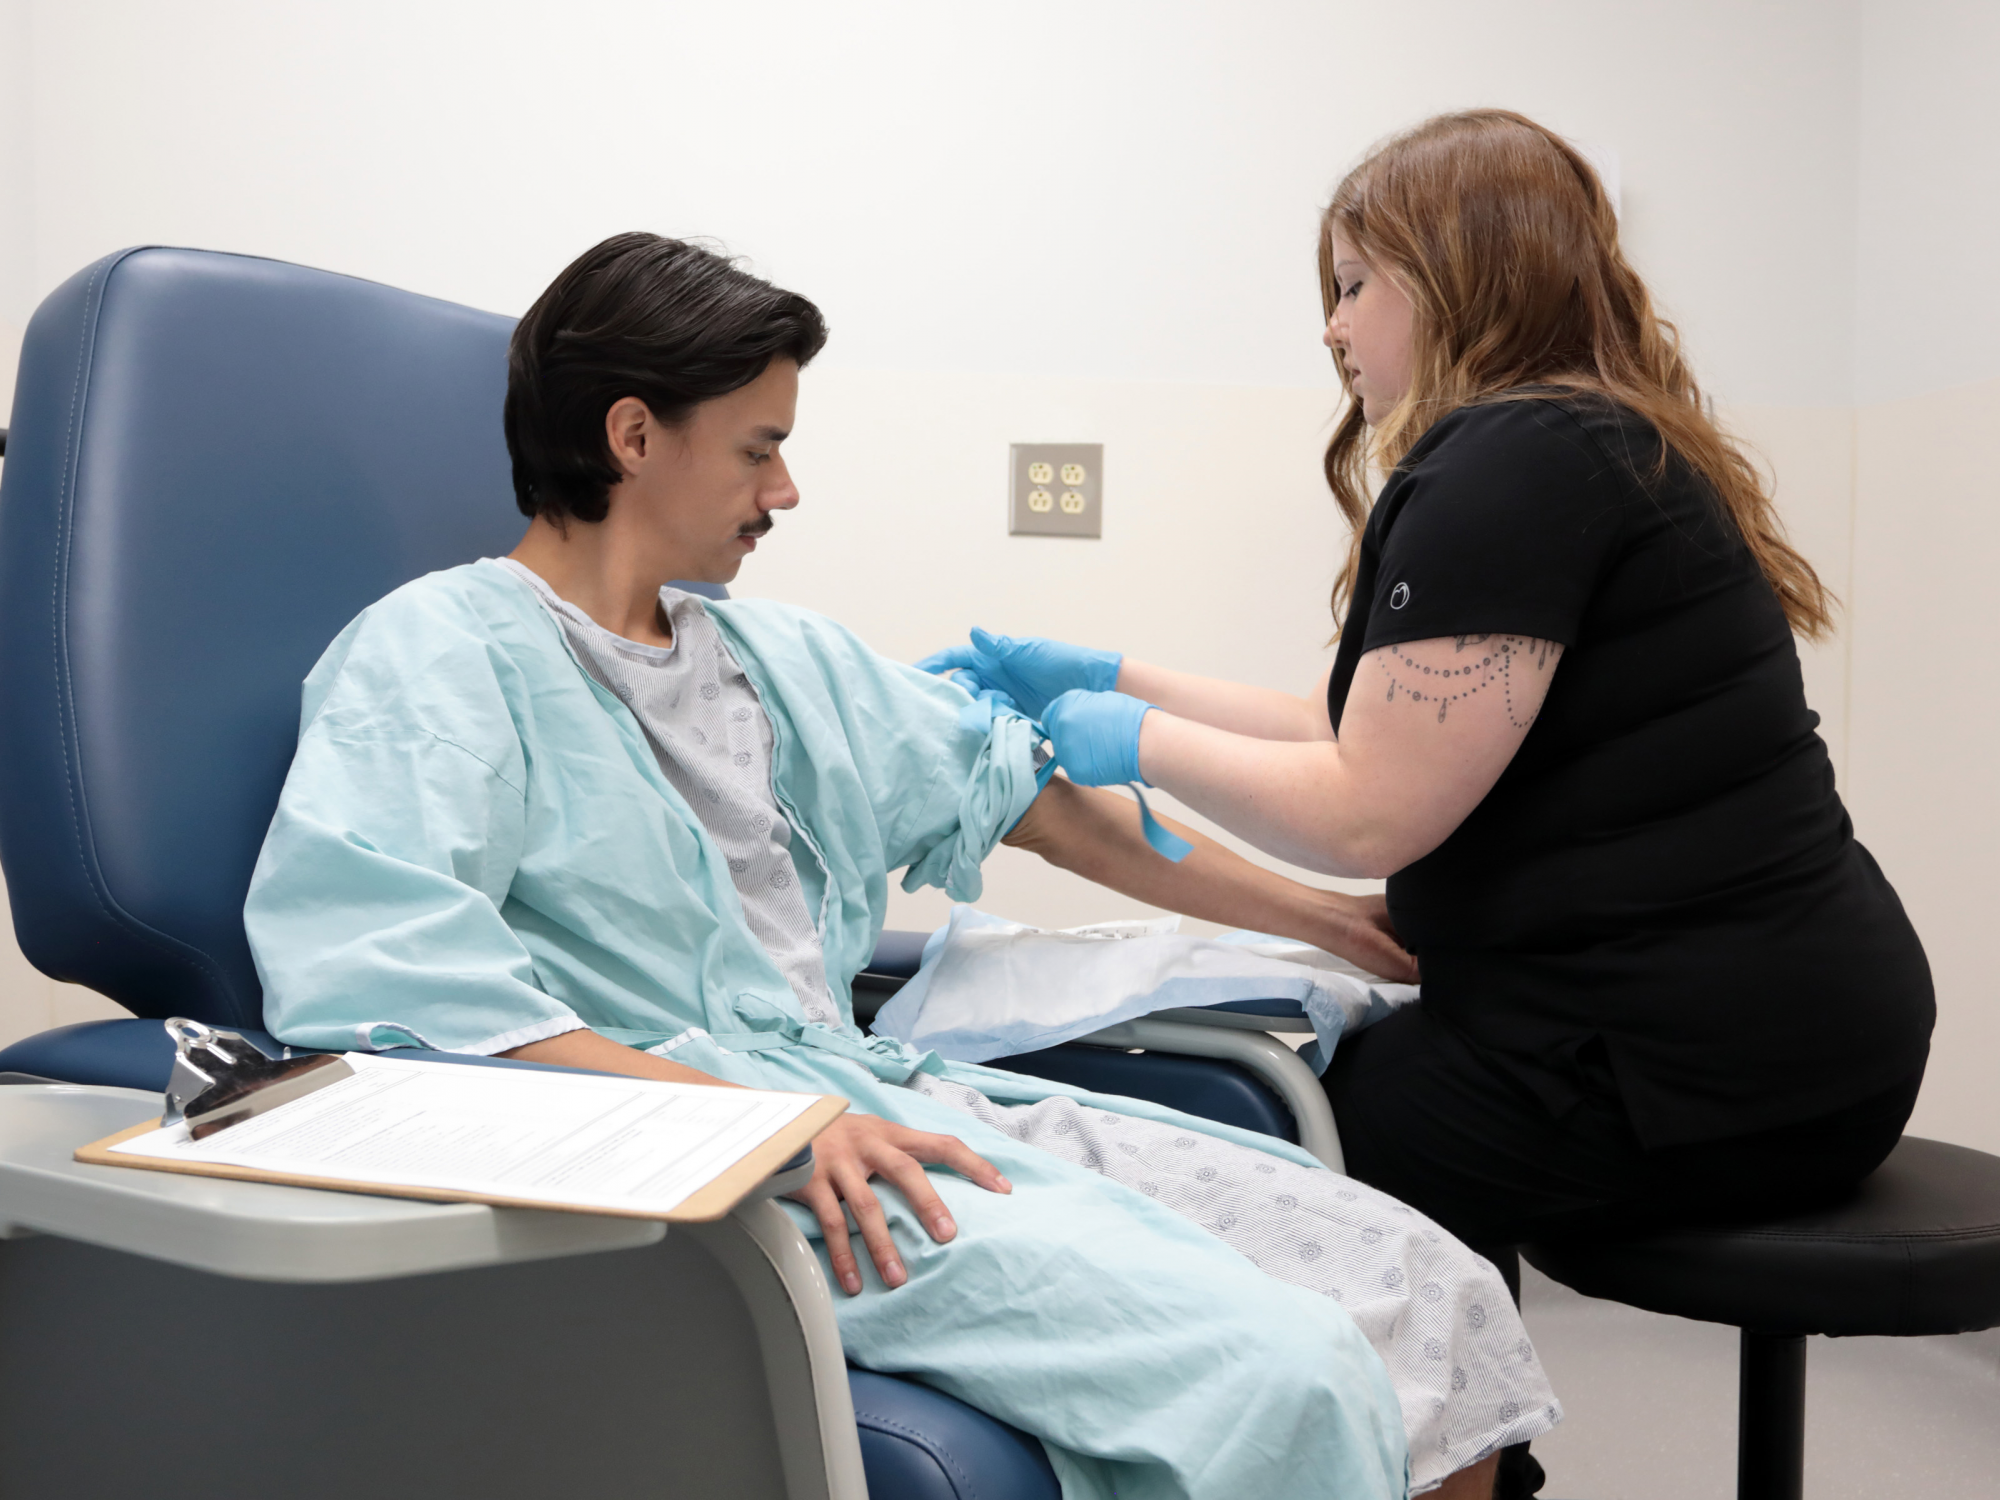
(1915, 1249)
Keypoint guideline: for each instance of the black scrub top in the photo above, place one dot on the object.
(1663, 881)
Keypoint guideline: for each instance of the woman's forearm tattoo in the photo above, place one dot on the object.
(1498, 658)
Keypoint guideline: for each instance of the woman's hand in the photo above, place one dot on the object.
(1363, 935)
(857, 1147)
(1096, 735)
(1029, 671)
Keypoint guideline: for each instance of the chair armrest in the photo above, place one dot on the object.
(1285, 1016)
(779, 1279)
(137, 1054)
(870, 995)
(254, 1230)
(789, 1178)
(1236, 1031)
(1274, 1064)
(331, 1241)
(899, 953)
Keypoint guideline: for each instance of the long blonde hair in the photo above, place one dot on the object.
(1504, 240)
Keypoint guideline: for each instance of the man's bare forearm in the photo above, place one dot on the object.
(584, 1048)
(1097, 834)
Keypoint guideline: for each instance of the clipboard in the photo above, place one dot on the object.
(274, 1080)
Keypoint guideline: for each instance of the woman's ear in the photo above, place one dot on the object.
(627, 427)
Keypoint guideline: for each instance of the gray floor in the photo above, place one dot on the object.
(1650, 1406)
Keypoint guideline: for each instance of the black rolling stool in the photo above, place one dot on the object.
(1914, 1250)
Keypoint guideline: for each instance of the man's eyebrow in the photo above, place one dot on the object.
(771, 434)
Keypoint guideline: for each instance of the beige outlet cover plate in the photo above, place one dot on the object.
(1051, 507)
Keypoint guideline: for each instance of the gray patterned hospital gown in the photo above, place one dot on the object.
(1438, 1315)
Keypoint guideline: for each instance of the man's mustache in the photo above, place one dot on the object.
(760, 527)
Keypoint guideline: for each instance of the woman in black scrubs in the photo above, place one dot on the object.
(1661, 980)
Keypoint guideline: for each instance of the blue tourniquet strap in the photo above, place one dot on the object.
(1168, 845)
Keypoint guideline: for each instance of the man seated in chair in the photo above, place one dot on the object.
(546, 807)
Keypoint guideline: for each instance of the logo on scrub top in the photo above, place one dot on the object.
(1400, 596)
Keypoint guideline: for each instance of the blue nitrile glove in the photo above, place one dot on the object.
(1030, 671)
(1096, 735)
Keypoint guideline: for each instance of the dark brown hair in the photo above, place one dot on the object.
(1506, 244)
(669, 322)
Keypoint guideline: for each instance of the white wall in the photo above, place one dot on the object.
(1118, 190)
(1086, 221)
(1927, 316)
(17, 275)
(1927, 536)
(28, 1001)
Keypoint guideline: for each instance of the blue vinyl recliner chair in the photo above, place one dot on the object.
(214, 462)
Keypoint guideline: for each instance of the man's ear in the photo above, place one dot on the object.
(626, 429)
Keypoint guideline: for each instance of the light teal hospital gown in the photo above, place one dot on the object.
(476, 849)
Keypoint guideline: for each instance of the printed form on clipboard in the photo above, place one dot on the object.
(585, 1143)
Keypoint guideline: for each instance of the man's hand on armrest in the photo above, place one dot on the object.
(1097, 834)
(870, 1146)
(846, 1155)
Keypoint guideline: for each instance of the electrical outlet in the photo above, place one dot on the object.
(1056, 489)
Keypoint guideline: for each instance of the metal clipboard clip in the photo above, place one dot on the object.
(221, 1079)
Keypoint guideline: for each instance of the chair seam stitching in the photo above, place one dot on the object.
(58, 643)
(960, 1479)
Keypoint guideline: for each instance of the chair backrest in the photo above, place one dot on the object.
(214, 463)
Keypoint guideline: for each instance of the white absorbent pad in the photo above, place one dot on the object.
(991, 988)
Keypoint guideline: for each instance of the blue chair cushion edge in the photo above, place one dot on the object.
(1205, 1087)
(138, 1054)
(133, 1054)
(899, 953)
(920, 1444)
